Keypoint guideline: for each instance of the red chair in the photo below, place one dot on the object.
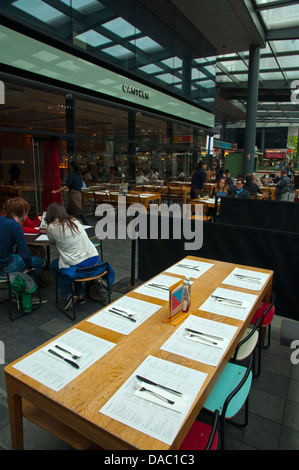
(202, 436)
(265, 314)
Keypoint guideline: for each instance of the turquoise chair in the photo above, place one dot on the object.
(230, 394)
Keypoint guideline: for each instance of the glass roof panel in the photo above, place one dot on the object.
(286, 46)
(93, 38)
(119, 52)
(121, 27)
(271, 76)
(40, 10)
(235, 65)
(268, 63)
(281, 17)
(146, 44)
(288, 61)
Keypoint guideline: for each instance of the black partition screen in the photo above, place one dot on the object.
(268, 249)
(274, 215)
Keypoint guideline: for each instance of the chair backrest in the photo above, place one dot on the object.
(213, 430)
(238, 396)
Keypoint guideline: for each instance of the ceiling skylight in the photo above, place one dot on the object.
(121, 27)
(119, 52)
(150, 68)
(146, 44)
(93, 38)
(40, 10)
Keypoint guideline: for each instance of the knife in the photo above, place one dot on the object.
(150, 382)
(186, 266)
(121, 315)
(248, 278)
(223, 299)
(157, 286)
(71, 363)
(203, 334)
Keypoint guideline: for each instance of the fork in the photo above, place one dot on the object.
(141, 388)
(74, 356)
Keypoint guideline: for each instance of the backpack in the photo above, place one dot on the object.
(23, 284)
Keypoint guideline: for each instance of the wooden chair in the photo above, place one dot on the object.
(205, 210)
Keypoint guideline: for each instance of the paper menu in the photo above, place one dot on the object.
(53, 372)
(229, 310)
(146, 289)
(190, 268)
(179, 342)
(143, 310)
(247, 279)
(148, 417)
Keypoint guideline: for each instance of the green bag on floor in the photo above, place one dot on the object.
(23, 284)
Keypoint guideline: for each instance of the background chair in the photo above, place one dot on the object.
(97, 244)
(85, 275)
(264, 314)
(202, 436)
(229, 394)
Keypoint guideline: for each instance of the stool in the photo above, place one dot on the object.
(86, 278)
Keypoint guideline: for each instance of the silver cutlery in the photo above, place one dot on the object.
(248, 278)
(224, 300)
(204, 334)
(187, 266)
(158, 286)
(121, 314)
(123, 311)
(68, 361)
(150, 382)
(141, 388)
(74, 356)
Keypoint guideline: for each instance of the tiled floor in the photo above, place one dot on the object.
(274, 398)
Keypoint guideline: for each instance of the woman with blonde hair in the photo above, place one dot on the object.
(221, 188)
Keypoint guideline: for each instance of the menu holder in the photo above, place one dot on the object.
(175, 314)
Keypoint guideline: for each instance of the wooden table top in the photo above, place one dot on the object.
(78, 403)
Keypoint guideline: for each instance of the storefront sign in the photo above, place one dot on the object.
(277, 154)
(135, 91)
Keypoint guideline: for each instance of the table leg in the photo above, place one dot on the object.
(15, 416)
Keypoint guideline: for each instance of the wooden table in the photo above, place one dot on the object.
(31, 240)
(74, 409)
(270, 191)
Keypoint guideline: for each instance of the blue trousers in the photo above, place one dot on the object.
(18, 265)
(65, 282)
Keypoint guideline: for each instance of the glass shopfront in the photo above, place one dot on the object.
(109, 141)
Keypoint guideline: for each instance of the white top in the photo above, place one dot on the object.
(72, 248)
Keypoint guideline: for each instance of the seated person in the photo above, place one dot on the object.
(221, 188)
(140, 178)
(11, 234)
(29, 226)
(232, 191)
(74, 247)
(240, 191)
(152, 176)
(250, 186)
